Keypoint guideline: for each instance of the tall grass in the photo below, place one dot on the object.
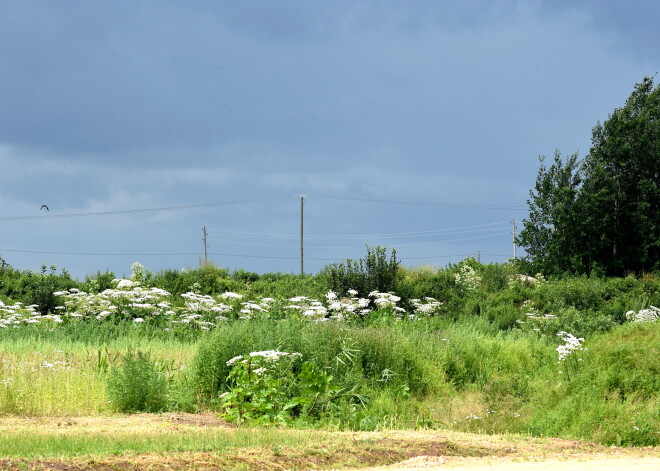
(48, 373)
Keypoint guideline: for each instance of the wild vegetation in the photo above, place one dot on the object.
(471, 347)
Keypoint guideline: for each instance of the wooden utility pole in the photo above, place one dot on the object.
(206, 260)
(513, 232)
(302, 233)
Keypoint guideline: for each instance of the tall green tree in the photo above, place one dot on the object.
(621, 184)
(552, 228)
(603, 214)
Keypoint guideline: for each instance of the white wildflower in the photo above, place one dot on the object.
(234, 360)
(571, 344)
(651, 314)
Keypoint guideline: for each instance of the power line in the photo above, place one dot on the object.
(282, 246)
(357, 236)
(140, 210)
(205, 205)
(163, 254)
(158, 254)
(453, 240)
(450, 256)
(416, 203)
(104, 254)
(402, 236)
(361, 248)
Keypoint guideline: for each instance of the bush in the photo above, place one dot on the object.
(136, 385)
(360, 359)
(37, 288)
(288, 285)
(371, 273)
(418, 283)
(207, 279)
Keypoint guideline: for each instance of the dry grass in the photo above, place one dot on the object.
(276, 449)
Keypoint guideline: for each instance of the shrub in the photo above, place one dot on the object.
(363, 359)
(207, 279)
(136, 385)
(374, 272)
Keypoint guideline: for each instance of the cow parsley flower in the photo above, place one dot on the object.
(571, 344)
(651, 314)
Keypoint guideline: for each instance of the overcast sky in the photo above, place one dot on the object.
(109, 107)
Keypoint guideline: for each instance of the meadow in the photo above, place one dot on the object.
(469, 348)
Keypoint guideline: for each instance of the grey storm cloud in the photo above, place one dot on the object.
(144, 104)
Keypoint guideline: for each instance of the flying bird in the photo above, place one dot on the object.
(43, 206)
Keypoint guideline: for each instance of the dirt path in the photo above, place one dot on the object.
(282, 449)
(579, 463)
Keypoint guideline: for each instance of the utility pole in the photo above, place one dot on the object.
(478, 256)
(206, 260)
(513, 232)
(302, 233)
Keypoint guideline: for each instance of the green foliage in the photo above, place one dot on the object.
(612, 397)
(266, 388)
(418, 283)
(288, 285)
(552, 232)
(622, 185)
(602, 216)
(35, 287)
(206, 279)
(98, 283)
(359, 359)
(374, 272)
(136, 385)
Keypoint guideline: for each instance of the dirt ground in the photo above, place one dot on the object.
(369, 451)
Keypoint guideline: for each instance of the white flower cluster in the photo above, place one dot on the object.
(311, 309)
(384, 300)
(250, 308)
(270, 355)
(468, 277)
(525, 280)
(651, 314)
(571, 344)
(336, 308)
(535, 316)
(15, 315)
(196, 310)
(426, 307)
(129, 300)
(347, 307)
